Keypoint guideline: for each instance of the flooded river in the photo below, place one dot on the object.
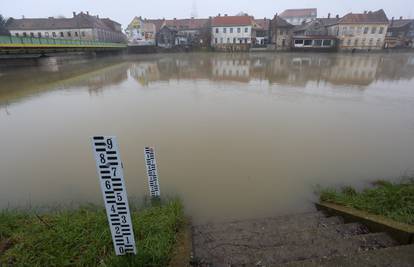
(237, 135)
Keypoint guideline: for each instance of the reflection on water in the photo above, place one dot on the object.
(237, 135)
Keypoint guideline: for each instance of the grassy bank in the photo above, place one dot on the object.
(82, 237)
(392, 200)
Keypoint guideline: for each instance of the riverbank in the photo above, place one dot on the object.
(81, 237)
(391, 200)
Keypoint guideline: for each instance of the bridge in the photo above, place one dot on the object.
(32, 45)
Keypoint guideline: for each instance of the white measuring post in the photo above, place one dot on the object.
(152, 173)
(111, 177)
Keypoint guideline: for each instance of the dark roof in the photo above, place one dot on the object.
(279, 22)
(328, 21)
(187, 24)
(400, 23)
(377, 17)
(304, 12)
(79, 21)
(232, 21)
(263, 23)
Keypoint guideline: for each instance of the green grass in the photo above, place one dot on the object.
(81, 237)
(392, 200)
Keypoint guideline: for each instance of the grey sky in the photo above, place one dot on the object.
(124, 10)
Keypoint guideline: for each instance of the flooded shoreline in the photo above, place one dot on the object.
(262, 128)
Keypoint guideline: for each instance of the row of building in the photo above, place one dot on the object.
(293, 29)
(297, 29)
(81, 26)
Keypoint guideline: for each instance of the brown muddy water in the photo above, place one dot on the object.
(237, 135)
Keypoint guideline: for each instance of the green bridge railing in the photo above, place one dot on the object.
(13, 41)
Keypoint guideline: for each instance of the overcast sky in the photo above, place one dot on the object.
(124, 10)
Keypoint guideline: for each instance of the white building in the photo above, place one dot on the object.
(231, 31)
(363, 31)
(299, 16)
(140, 32)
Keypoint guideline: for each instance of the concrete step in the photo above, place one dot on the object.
(290, 223)
(234, 254)
(399, 256)
(269, 237)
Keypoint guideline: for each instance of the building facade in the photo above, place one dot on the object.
(365, 31)
(261, 31)
(281, 33)
(81, 26)
(299, 16)
(400, 33)
(231, 32)
(141, 33)
(166, 37)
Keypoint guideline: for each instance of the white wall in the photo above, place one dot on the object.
(353, 36)
(83, 34)
(227, 37)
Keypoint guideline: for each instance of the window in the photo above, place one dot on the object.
(363, 41)
(327, 42)
(348, 42)
(246, 30)
(228, 40)
(69, 34)
(61, 34)
(215, 40)
(24, 34)
(83, 34)
(298, 41)
(370, 41)
(373, 30)
(234, 40)
(379, 42)
(217, 30)
(224, 30)
(39, 34)
(359, 30)
(53, 34)
(356, 42)
(366, 30)
(231, 30)
(221, 40)
(317, 43)
(17, 34)
(308, 42)
(381, 30)
(76, 34)
(31, 34)
(238, 30)
(344, 30)
(283, 42)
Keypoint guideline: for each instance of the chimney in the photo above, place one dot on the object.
(50, 17)
(225, 15)
(87, 12)
(74, 14)
(401, 18)
(97, 16)
(265, 19)
(219, 14)
(365, 12)
(175, 18)
(337, 16)
(329, 15)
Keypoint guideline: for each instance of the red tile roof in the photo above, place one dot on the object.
(232, 21)
(377, 17)
(304, 12)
